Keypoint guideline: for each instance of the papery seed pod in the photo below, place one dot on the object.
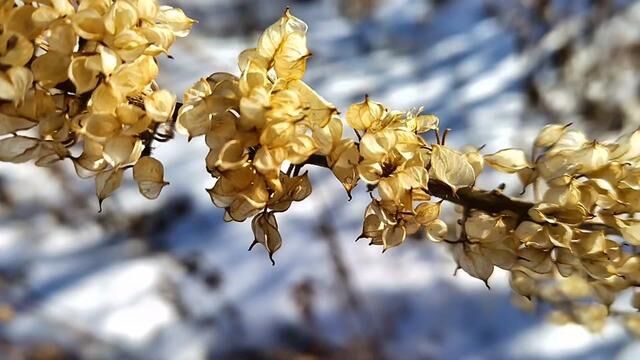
(508, 160)
(265, 231)
(149, 174)
(451, 167)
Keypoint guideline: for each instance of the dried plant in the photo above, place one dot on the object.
(83, 73)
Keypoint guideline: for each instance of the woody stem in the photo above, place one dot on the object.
(492, 202)
(488, 201)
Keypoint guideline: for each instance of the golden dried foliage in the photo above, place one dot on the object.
(83, 73)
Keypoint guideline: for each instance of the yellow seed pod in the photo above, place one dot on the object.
(508, 160)
(475, 159)
(160, 105)
(265, 231)
(17, 50)
(176, 20)
(105, 99)
(361, 116)
(393, 236)
(451, 167)
(51, 68)
(149, 174)
(62, 38)
(107, 182)
(473, 262)
(549, 135)
(15, 83)
(343, 161)
(82, 74)
(427, 212)
(122, 150)
(88, 24)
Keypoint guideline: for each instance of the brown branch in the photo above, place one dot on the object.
(492, 202)
(488, 201)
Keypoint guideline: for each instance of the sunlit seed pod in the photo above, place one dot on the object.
(451, 167)
(107, 182)
(376, 146)
(122, 150)
(62, 38)
(424, 123)
(427, 212)
(300, 149)
(121, 16)
(265, 231)
(476, 160)
(343, 161)
(131, 78)
(361, 116)
(574, 287)
(508, 160)
(473, 262)
(626, 147)
(51, 68)
(549, 135)
(193, 120)
(630, 229)
(88, 24)
(176, 19)
(148, 172)
(129, 44)
(15, 83)
(18, 50)
(147, 9)
(99, 127)
(393, 235)
(82, 75)
(319, 112)
(160, 105)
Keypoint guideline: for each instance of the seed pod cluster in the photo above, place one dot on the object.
(260, 123)
(569, 248)
(394, 160)
(83, 72)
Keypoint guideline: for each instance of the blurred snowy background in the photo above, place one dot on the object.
(169, 280)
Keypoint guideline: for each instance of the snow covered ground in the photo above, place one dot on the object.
(85, 281)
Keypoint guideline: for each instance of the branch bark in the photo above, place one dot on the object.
(492, 202)
(489, 201)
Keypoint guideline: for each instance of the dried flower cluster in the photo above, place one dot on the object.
(257, 123)
(394, 159)
(582, 232)
(82, 72)
(85, 73)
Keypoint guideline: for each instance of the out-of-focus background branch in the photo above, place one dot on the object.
(169, 280)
